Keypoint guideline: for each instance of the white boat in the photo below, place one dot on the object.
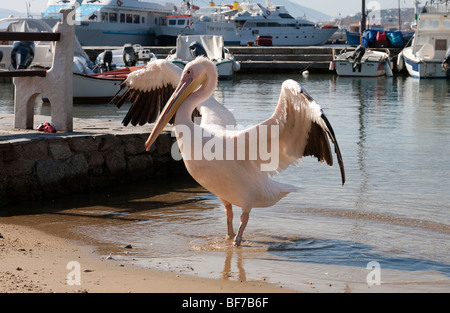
(243, 23)
(128, 55)
(426, 56)
(111, 22)
(362, 63)
(43, 56)
(189, 47)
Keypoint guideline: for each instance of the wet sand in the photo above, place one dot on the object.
(32, 261)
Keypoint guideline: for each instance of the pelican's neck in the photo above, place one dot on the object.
(184, 113)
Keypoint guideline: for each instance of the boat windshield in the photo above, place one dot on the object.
(429, 24)
(446, 24)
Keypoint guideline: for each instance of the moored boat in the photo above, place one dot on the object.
(111, 22)
(362, 62)
(243, 23)
(212, 47)
(427, 55)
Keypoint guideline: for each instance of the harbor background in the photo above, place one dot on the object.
(393, 209)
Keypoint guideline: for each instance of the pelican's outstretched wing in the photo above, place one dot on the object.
(303, 129)
(148, 90)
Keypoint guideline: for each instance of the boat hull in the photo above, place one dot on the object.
(366, 69)
(420, 68)
(309, 36)
(91, 89)
(372, 64)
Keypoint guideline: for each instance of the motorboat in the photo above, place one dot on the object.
(427, 57)
(362, 62)
(42, 54)
(240, 24)
(99, 87)
(111, 22)
(212, 47)
(98, 82)
(128, 55)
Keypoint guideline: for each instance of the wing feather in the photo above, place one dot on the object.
(304, 130)
(148, 90)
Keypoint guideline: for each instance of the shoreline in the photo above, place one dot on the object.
(32, 261)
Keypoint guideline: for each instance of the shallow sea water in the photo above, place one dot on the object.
(394, 208)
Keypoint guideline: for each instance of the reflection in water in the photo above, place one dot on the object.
(227, 273)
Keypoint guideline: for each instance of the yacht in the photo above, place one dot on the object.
(427, 57)
(111, 22)
(242, 24)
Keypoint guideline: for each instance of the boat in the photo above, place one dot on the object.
(354, 37)
(43, 57)
(128, 55)
(111, 22)
(427, 56)
(362, 62)
(190, 47)
(99, 82)
(241, 24)
(99, 87)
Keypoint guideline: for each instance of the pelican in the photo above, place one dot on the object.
(298, 127)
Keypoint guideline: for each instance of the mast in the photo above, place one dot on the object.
(362, 27)
(399, 20)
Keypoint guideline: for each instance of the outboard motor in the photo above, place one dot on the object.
(22, 54)
(196, 49)
(105, 61)
(129, 55)
(357, 55)
(446, 62)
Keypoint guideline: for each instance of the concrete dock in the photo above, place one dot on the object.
(97, 154)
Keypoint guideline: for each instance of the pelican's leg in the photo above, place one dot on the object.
(244, 221)
(229, 214)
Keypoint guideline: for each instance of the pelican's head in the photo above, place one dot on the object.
(199, 78)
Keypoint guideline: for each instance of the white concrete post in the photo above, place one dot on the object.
(57, 85)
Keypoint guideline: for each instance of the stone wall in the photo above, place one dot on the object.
(52, 166)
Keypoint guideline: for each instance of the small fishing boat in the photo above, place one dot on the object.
(362, 62)
(189, 47)
(98, 87)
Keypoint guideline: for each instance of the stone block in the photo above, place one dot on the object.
(108, 143)
(115, 162)
(94, 159)
(140, 166)
(83, 144)
(34, 150)
(49, 171)
(59, 150)
(133, 145)
(19, 168)
(76, 166)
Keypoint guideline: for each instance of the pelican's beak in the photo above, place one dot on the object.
(186, 86)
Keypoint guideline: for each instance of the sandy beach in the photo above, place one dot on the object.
(32, 261)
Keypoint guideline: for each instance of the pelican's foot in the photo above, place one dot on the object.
(229, 237)
(237, 241)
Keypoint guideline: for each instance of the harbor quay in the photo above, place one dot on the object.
(255, 59)
(97, 154)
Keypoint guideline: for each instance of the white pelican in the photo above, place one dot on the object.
(299, 125)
